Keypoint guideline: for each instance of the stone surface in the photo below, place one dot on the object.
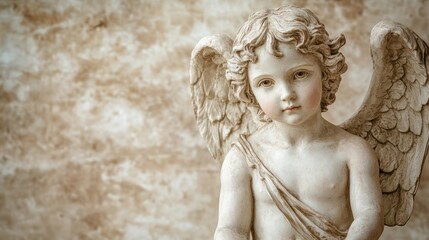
(97, 136)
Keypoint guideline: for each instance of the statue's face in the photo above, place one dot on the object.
(288, 89)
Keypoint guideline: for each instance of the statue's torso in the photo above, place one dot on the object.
(317, 175)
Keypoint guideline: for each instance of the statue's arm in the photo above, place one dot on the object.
(236, 201)
(365, 192)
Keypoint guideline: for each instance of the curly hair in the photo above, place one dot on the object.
(285, 24)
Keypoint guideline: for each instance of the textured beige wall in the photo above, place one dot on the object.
(97, 136)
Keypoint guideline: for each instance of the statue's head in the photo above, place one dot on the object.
(286, 24)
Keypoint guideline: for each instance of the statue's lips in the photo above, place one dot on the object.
(289, 109)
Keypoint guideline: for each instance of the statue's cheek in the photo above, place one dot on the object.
(315, 97)
(269, 107)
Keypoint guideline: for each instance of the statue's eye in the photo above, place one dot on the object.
(266, 83)
(300, 74)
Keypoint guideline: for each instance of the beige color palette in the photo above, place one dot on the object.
(97, 135)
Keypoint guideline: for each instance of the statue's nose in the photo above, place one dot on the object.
(287, 92)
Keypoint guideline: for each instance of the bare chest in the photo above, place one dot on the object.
(315, 174)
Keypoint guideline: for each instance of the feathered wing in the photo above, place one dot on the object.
(220, 116)
(394, 116)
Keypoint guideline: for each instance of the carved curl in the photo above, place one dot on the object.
(285, 24)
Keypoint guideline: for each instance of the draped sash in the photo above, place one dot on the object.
(308, 223)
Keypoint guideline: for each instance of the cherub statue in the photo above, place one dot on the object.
(287, 173)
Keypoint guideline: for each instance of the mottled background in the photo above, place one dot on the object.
(97, 135)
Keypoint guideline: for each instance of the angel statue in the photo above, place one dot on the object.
(287, 173)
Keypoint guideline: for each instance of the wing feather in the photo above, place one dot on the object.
(389, 183)
(405, 206)
(390, 204)
(387, 120)
(220, 116)
(388, 157)
(400, 104)
(396, 109)
(397, 90)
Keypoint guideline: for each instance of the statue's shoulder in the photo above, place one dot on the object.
(235, 164)
(355, 147)
(348, 142)
(240, 157)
